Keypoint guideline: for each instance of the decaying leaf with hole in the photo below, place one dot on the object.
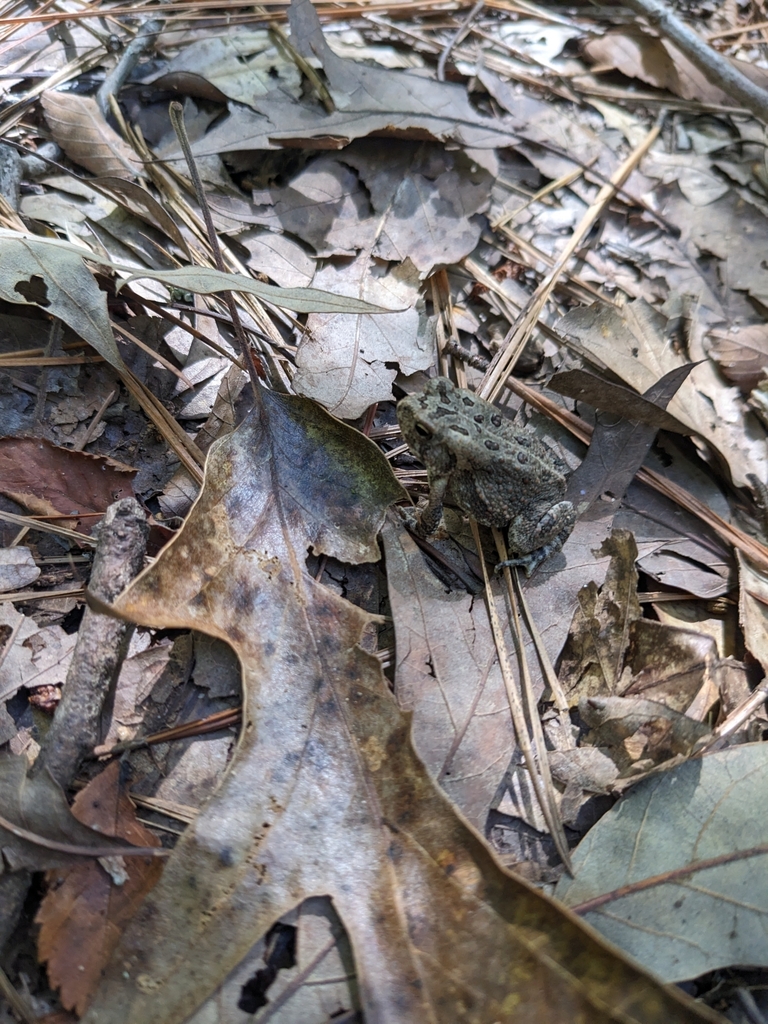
(324, 794)
(52, 275)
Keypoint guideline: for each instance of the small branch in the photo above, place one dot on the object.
(101, 645)
(129, 58)
(456, 38)
(666, 877)
(717, 68)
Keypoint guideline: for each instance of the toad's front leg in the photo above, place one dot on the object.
(428, 520)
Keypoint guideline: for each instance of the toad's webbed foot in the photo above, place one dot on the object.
(530, 562)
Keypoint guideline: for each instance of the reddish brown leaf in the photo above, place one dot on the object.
(84, 912)
(34, 471)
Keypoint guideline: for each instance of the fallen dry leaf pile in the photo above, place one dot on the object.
(362, 782)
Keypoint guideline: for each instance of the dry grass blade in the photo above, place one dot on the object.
(42, 595)
(30, 522)
(14, 113)
(52, 360)
(547, 668)
(166, 363)
(738, 717)
(538, 769)
(17, 1004)
(507, 356)
(553, 186)
(189, 454)
(176, 111)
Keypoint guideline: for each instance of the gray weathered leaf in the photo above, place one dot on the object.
(301, 300)
(701, 919)
(347, 361)
(39, 272)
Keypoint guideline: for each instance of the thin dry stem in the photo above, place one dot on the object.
(176, 112)
(537, 772)
(506, 358)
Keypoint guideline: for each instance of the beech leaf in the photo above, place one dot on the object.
(83, 912)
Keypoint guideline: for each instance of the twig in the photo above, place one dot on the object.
(695, 867)
(16, 596)
(456, 38)
(255, 369)
(101, 645)
(199, 727)
(129, 58)
(717, 68)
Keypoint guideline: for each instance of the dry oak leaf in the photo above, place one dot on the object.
(80, 128)
(324, 794)
(83, 913)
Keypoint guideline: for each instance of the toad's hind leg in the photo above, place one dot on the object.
(533, 542)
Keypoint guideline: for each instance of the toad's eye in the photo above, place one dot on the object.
(422, 431)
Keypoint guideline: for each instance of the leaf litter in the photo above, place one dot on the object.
(323, 749)
(447, 222)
